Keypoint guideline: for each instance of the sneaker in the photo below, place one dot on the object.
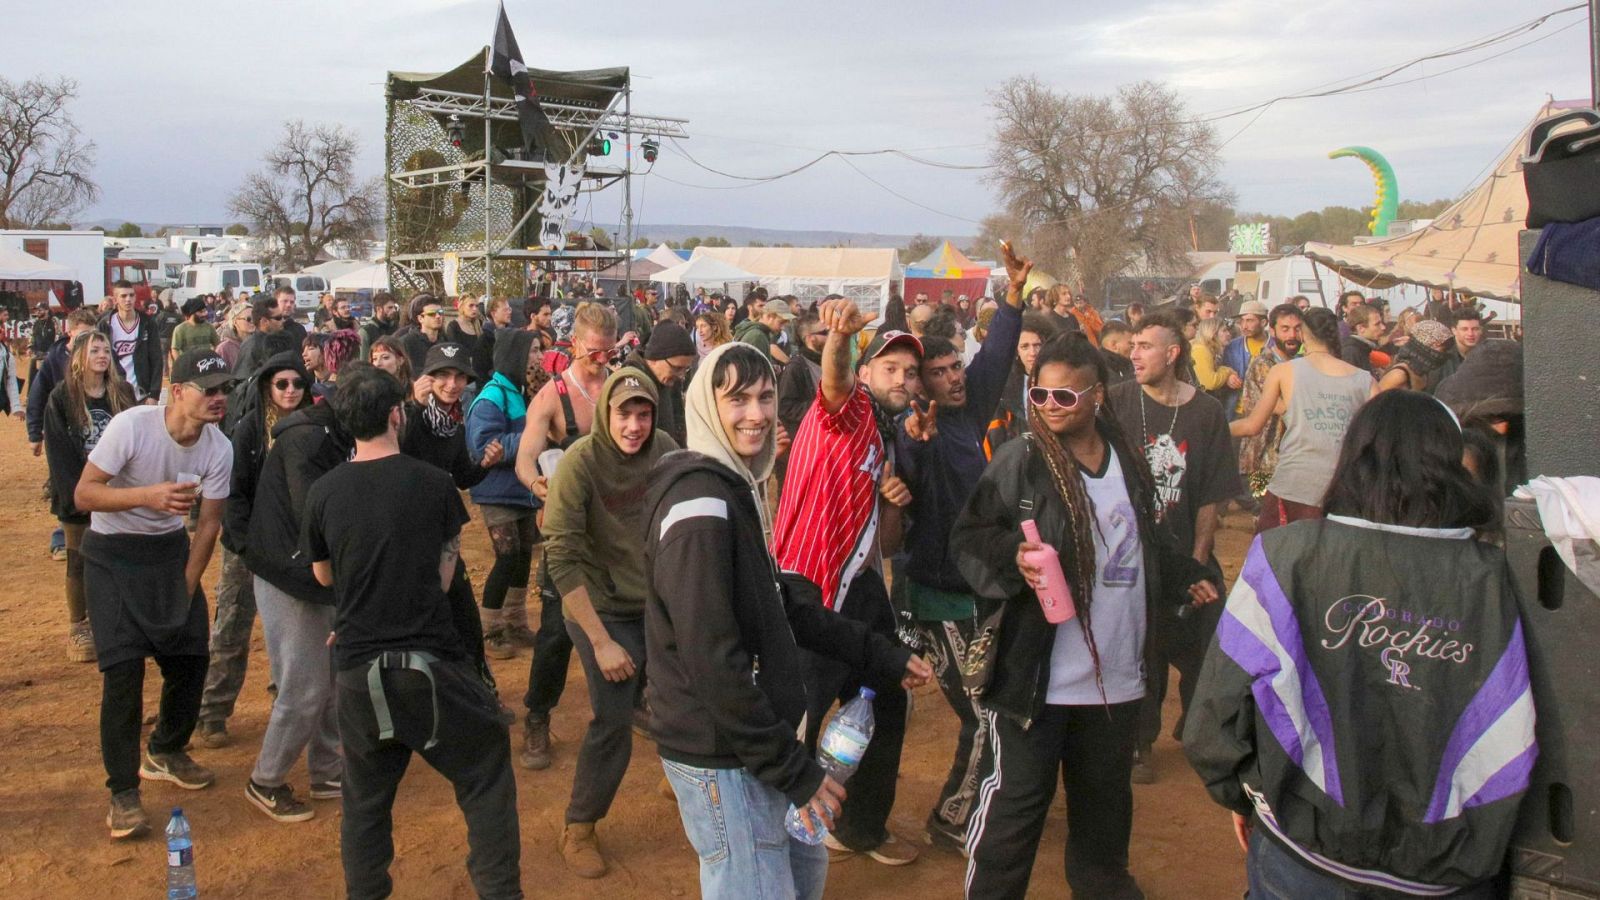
(895, 852)
(946, 837)
(214, 735)
(1144, 770)
(641, 721)
(332, 789)
(535, 743)
(581, 850)
(279, 803)
(59, 554)
(126, 818)
(177, 768)
(80, 642)
(837, 852)
(496, 646)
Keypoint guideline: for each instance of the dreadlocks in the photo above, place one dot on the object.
(1074, 351)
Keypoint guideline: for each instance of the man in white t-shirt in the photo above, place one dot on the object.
(142, 574)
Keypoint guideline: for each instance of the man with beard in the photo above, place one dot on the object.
(1242, 350)
(384, 310)
(283, 299)
(268, 341)
(797, 384)
(839, 515)
(942, 447)
(142, 575)
(1184, 436)
(1258, 455)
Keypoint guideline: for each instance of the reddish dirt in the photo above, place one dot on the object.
(54, 801)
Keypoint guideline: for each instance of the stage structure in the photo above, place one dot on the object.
(464, 205)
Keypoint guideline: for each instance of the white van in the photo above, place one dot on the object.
(215, 277)
(308, 288)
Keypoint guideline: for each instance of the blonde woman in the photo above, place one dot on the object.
(1205, 350)
(710, 332)
(76, 414)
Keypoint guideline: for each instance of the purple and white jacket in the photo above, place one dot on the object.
(1367, 698)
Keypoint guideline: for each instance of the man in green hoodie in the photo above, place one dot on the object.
(594, 549)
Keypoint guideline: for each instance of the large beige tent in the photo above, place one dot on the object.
(1471, 246)
(811, 273)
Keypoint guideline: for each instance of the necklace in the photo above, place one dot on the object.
(1144, 428)
(578, 386)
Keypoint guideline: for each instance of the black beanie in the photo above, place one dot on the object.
(667, 340)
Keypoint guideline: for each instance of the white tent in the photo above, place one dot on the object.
(368, 278)
(663, 256)
(336, 268)
(865, 275)
(703, 270)
(16, 265)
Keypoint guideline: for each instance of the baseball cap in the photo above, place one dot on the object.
(447, 355)
(778, 308)
(631, 387)
(202, 366)
(1253, 308)
(886, 339)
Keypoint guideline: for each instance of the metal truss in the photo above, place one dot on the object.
(566, 116)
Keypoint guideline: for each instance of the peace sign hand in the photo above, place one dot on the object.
(923, 423)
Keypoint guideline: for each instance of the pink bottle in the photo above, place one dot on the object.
(1056, 596)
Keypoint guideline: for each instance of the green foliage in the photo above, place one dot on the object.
(236, 230)
(128, 230)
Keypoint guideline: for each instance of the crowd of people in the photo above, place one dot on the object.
(738, 514)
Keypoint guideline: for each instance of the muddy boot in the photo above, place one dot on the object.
(536, 743)
(515, 620)
(581, 850)
(495, 645)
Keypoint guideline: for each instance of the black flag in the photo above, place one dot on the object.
(506, 62)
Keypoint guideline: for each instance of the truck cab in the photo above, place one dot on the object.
(136, 271)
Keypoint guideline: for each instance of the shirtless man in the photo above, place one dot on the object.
(561, 412)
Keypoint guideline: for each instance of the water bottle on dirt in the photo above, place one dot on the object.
(180, 858)
(839, 752)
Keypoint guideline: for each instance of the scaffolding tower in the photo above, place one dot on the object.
(463, 202)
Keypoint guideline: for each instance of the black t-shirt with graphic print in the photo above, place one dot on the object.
(383, 523)
(1190, 453)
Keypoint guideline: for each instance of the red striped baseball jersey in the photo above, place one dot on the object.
(828, 513)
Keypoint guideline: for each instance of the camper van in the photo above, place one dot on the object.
(215, 277)
(308, 288)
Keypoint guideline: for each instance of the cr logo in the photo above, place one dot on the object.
(1398, 668)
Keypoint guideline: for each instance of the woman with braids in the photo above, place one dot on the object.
(78, 410)
(1066, 697)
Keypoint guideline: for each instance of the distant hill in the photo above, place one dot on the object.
(741, 235)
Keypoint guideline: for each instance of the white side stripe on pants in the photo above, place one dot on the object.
(985, 794)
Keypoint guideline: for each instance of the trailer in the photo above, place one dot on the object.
(82, 251)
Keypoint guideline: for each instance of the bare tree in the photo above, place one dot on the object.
(1102, 185)
(309, 198)
(44, 165)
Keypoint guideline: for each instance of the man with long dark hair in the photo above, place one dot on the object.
(1366, 713)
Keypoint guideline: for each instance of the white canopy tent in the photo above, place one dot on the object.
(703, 271)
(663, 256)
(16, 265)
(865, 275)
(369, 278)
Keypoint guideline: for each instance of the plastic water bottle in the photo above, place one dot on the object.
(839, 752)
(1056, 595)
(180, 858)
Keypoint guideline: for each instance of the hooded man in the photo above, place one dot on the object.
(667, 359)
(595, 553)
(727, 678)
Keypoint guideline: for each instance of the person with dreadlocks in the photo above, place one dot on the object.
(1066, 697)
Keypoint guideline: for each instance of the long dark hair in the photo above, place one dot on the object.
(1323, 325)
(1401, 465)
(1074, 351)
(894, 315)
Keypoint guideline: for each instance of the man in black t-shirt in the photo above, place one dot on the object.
(384, 530)
(1184, 436)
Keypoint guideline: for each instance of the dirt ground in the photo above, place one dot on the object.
(53, 800)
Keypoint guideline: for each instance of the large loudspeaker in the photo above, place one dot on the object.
(1555, 851)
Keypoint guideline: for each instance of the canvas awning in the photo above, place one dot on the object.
(369, 278)
(865, 275)
(703, 270)
(16, 265)
(1471, 246)
(946, 262)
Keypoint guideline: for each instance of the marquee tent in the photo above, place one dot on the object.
(1471, 246)
(946, 269)
(16, 265)
(704, 271)
(370, 278)
(34, 279)
(810, 273)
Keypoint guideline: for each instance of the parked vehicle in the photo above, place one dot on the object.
(308, 288)
(215, 277)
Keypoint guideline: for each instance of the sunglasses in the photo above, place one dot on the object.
(428, 314)
(289, 384)
(600, 357)
(217, 391)
(1062, 397)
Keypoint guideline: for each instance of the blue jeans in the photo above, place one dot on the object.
(1275, 874)
(735, 823)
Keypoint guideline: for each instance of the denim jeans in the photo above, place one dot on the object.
(1275, 874)
(735, 824)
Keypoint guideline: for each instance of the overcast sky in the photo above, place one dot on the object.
(182, 97)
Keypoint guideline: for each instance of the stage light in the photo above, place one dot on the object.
(599, 146)
(456, 130)
(651, 149)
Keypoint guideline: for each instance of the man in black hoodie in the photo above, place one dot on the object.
(135, 343)
(296, 615)
(723, 640)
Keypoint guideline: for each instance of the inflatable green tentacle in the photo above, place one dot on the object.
(1387, 204)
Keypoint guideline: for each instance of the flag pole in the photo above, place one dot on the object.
(627, 185)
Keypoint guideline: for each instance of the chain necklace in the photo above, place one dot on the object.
(578, 386)
(1144, 428)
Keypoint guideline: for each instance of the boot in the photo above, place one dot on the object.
(495, 645)
(515, 620)
(536, 743)
(581, 849)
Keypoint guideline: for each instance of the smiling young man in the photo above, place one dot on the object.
(594, 550)
(142, 575)
(839, 517)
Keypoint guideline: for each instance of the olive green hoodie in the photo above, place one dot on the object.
(593, 519)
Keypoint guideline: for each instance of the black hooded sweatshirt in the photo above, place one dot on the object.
(723, 632)
(250, 448)
(305, 446)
